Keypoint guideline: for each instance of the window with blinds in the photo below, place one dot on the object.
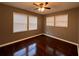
(61, 20)
(32, 23)
(19, 22)
(57, 20)
(50, 21)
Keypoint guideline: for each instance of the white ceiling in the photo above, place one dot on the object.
(55, 6)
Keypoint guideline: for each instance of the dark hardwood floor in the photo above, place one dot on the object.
(39, 46)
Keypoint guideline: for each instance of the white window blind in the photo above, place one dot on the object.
(50, 21)
(32, 23)
(61, 20)
(19, 22)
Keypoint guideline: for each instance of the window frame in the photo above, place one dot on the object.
(26, 25)
(36, 23)
(65, 26)
(52, 24)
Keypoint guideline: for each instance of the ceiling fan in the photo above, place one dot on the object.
(41, 6)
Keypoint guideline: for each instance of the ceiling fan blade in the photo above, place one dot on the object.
(46, 3)
(47, 7)
(35, 4)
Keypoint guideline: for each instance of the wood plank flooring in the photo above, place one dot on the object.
(39, 46)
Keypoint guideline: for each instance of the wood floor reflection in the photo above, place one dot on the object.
(39, 46)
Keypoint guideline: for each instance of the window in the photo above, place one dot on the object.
(19, 22)
(32, 23)
(50, 21)
(61, 20)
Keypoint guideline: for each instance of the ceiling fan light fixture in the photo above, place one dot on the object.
(41, 9)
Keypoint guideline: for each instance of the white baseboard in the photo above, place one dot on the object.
(39, 35)
(64, 41)
(61, 39)
(20, 40)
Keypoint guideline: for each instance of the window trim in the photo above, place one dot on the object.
(51, 22)
(25, 25)
(66, 22)
(55, 20)
(29, 23)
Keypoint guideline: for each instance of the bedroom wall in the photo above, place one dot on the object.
(6, 24)
(71, 32)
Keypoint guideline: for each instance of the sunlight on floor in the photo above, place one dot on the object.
(30, 51)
